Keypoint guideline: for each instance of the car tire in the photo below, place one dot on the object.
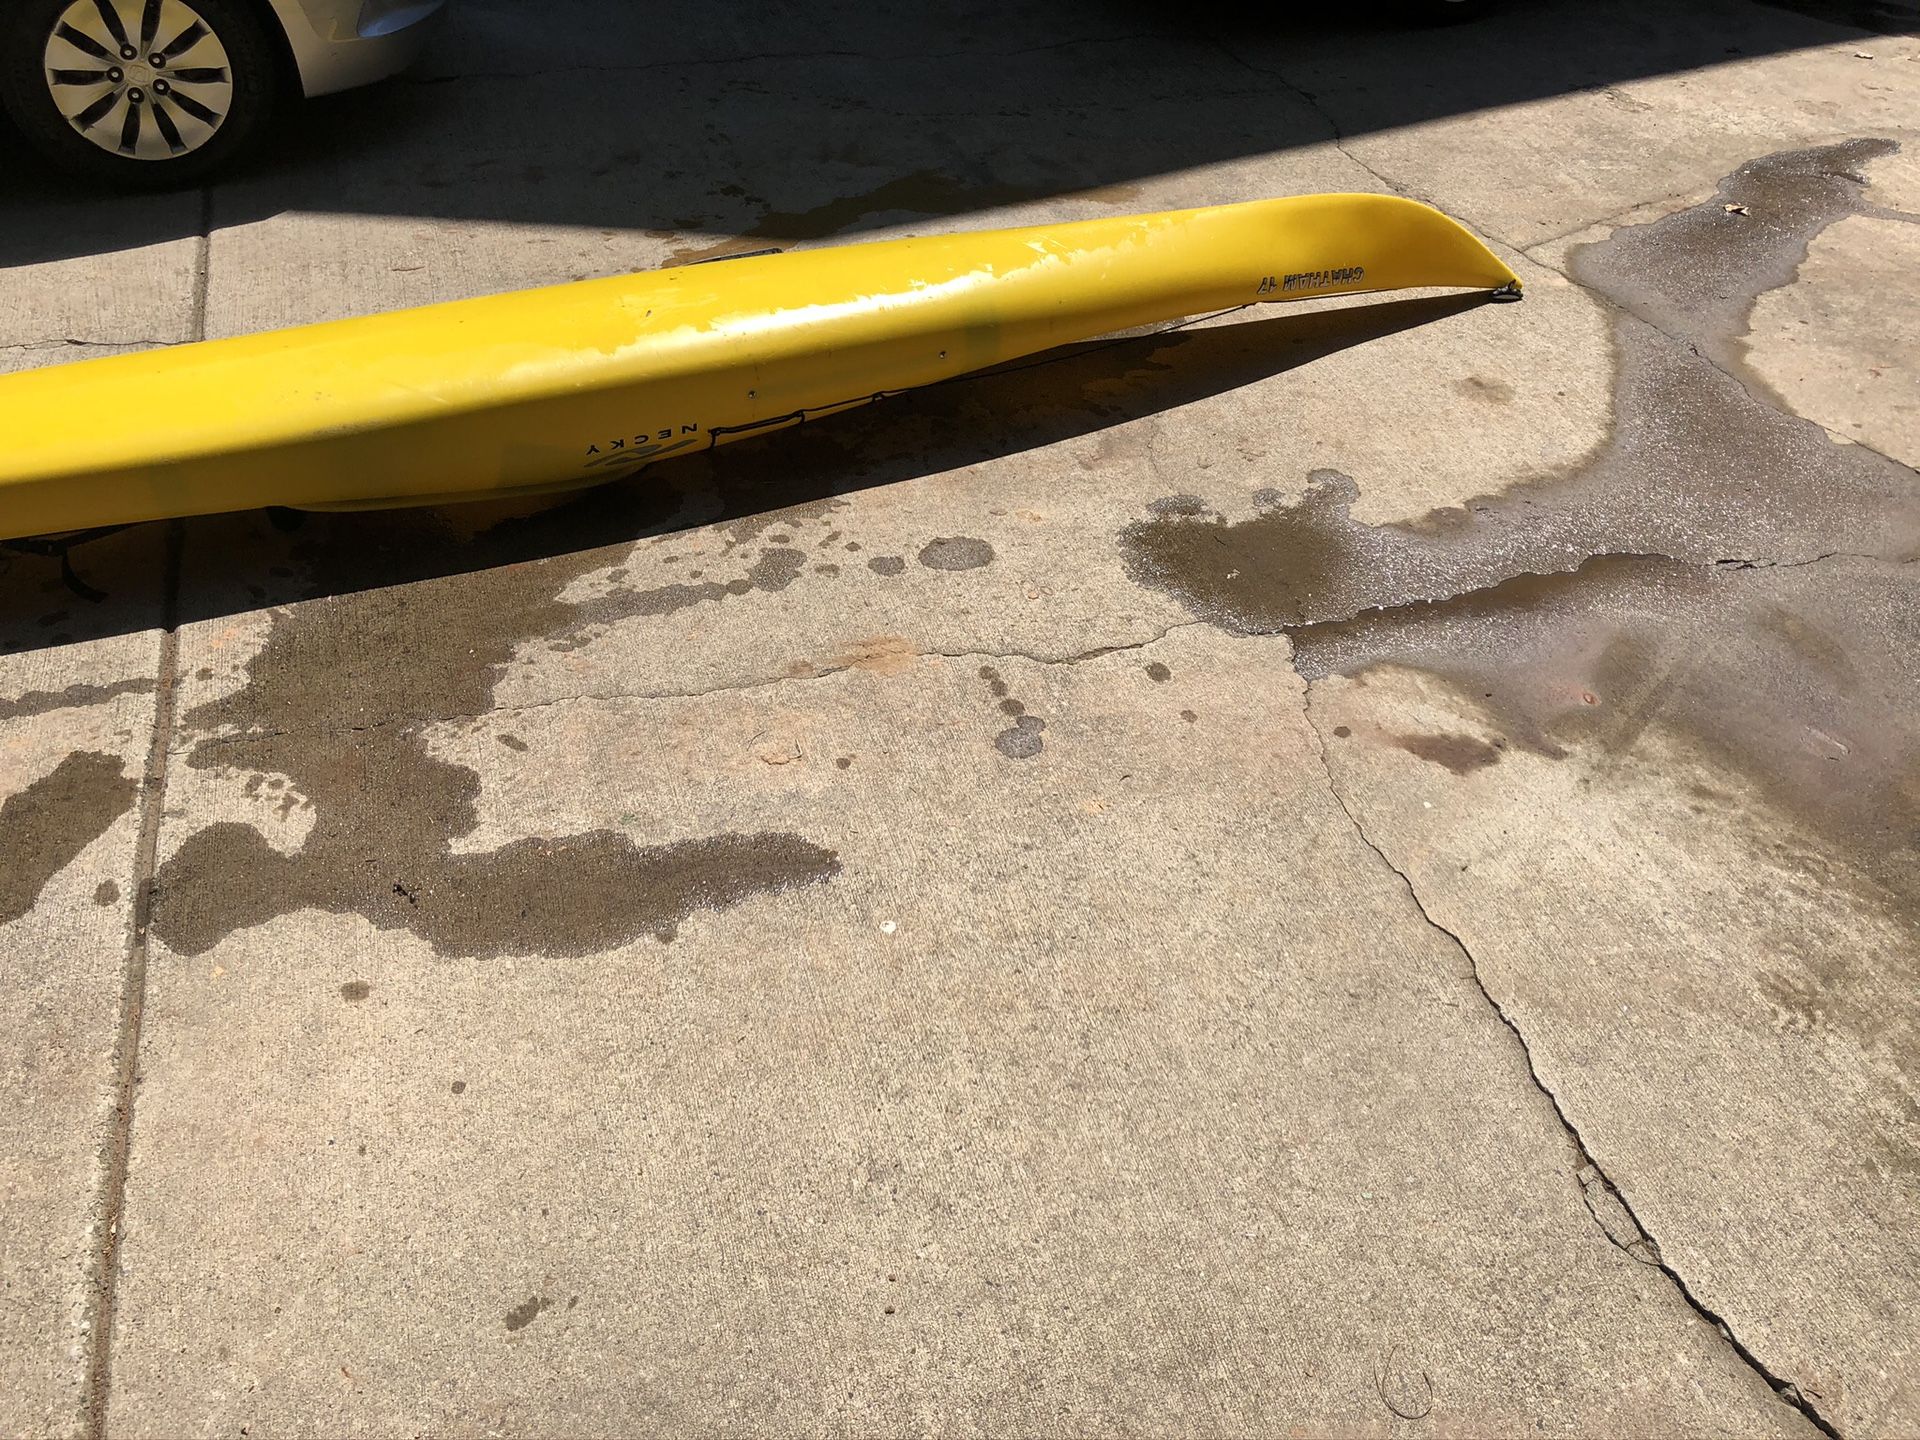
(80, 80)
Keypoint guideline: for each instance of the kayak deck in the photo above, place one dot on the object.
(577, 383)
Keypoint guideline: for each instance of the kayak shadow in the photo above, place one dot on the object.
(205, 568)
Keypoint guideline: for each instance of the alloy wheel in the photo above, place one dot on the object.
(144, 79)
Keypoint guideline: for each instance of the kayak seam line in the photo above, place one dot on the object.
(248, 737)
(1646, 1249)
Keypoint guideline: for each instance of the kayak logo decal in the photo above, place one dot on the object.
(625, 450)
(1311, 279)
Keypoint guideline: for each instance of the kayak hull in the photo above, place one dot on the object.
(578, 383)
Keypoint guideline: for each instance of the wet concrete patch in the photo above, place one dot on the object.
(81, 693)
(44, 827)
(386, 811)
(776, 567)
(527, 1311)
(1021, 740)
(1461, 754)
(1699, 466)
(1698, 272)
(1798, 680)
(572, 895)
(956, 552)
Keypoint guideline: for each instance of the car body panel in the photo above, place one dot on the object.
(338, 44)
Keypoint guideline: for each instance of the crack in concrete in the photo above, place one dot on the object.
(73, 342)
(1606, 1204)
(1740, 562)
(758, 682)
(1315, 104)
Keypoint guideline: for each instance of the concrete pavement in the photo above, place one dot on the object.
(1347, 870)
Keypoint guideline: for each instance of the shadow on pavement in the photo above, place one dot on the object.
(1072, 392)
(777, 119)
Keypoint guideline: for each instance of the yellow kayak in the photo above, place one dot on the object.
(577, 383)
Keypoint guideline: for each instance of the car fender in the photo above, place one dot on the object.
(338, 44)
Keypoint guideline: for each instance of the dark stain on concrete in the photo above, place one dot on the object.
(1021, 740)
(355, 990)
(1177, 505)
(107, 892)
(1284, 565)
(512, 742)
(42, 702)
(956, 552)
(776, 568)
(339, 700)
(459, 1087)
(1520, 599)
(1459, 753)
(886, 564)
(1159, 673)
(1700, 466)
(1652, 615)
(44, 827)
(1717, 689)
(1479, 387)
(527, 1311)
(1585, 663)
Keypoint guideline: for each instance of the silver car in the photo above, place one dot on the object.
(159, 91)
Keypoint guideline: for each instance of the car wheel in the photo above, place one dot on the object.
(139, 92)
